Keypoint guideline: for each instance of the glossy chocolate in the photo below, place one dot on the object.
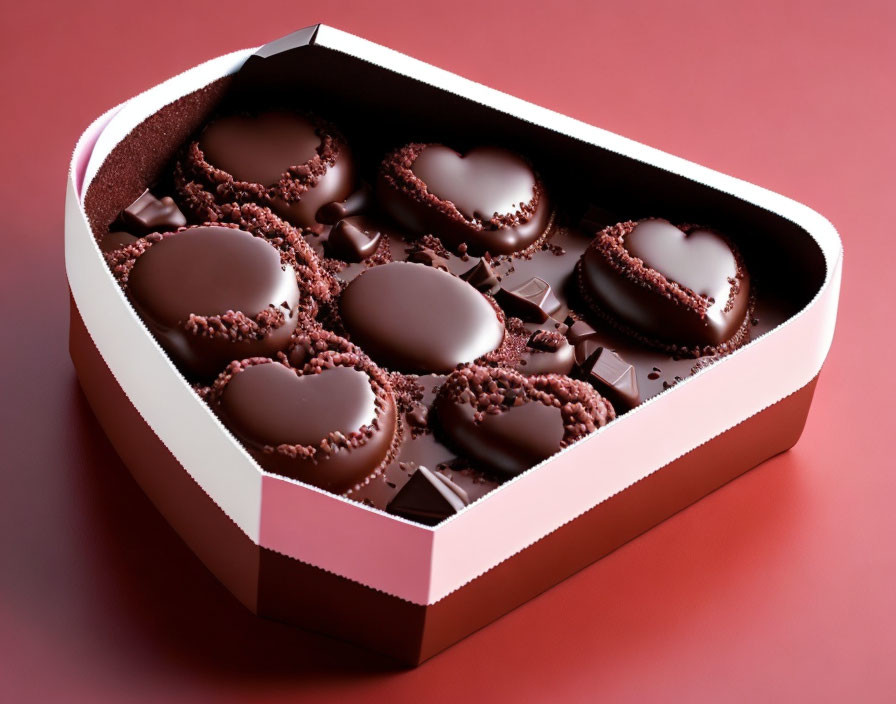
(614, 378)
(285, 154)
(150, 214)
(271, 405)
(684, 289)
(505, 443)
(259, 148)
(116, 240)
(533, 301)
(414, 318)
(353, 239)
(487, 200)
(481, 184)
(428, 497)
(213, 272)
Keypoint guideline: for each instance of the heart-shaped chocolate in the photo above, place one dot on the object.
(290, 162)
(505, 422)
(332, 423)
(174, 281)
(488, 199)
(684, 289)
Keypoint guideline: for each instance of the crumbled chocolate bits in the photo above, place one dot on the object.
(614, 378)
(545, 341)
(533, 301)
(418, 416)
(428, 498)
(352, 243)
(149, 214)
(482, 277)
(429, 257)
(357, 203)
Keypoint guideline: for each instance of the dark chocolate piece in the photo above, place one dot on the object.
(351, 243)
(614, 378)
(579, 330)
(506, 422)
(357, 203)
(429, 257)
(428, 498)
(585, 350)
(681, 289)
(116, 240)
(176, 286)
(533, 301)
(149, 214)
(330, 424)
(414, 318)
(482, 277)
(487, 200)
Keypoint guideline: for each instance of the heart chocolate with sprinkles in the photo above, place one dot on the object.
(684, 288)
(331, 423)
(506, 422)
(486, 200)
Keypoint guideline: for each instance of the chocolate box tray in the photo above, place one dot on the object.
(292, 552)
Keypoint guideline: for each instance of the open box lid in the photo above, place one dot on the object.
(414, 562)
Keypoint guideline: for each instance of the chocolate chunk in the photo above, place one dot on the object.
(414, 318)
(429, 257)
(585, 350)
(545, 341)
(116, 240)
(355, 204)
(579, 330)
(534, 301)
(330, 429)
(482, 277)
(614, 378)
(428, 498)
(351, 243)
(149, 214)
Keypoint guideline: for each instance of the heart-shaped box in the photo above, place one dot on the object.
(295, 553)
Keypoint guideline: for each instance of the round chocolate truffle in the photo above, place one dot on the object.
(681, 289)
(488, 199)
(333, 423)
(292, 163)
(212, 294)
(415, 318)
(506, 422)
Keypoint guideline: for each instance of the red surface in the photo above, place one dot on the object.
(777, 587)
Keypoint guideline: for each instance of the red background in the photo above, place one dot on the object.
(780, 586)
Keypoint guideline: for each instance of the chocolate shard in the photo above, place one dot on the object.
(149, 214)
(579, 330)
(355, 204)
(614, 378)
(534, 301)
(350, 243)
(545, 341)
(429, 257)
(585, 349)
(428, 498)
(482, 277)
